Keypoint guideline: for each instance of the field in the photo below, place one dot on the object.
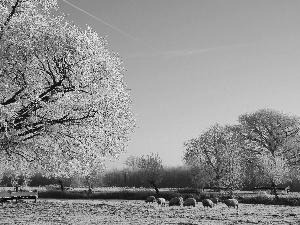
(97, 208)
(53, 211)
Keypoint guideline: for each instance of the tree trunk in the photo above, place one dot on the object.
(125, 179)
(155, 187)
(90, 191)
(275, 191)
(61, 185)
(230, 192)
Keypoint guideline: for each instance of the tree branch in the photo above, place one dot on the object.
(13, 98)
(13, 11)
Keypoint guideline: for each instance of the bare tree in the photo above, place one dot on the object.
(132, 162)
(152, 169)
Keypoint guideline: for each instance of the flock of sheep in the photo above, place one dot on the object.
(192, 202)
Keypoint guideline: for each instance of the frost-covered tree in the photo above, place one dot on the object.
(216, 158)
(19, 170)
(152, 169)
(272, 169)
(63, 100)
(272, 140)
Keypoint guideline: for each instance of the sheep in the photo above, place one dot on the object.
(150, 199)
(176, 201)
(207, 203)
(189, 202)
(215, 200)
(161, 201)
(232, 202)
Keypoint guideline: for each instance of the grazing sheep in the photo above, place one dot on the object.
(232, 202)
(161, 201)
(189, 202)
(150, 199)
(176, 201)
(207, 203)
(215, 200)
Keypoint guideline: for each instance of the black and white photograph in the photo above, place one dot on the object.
(183, 112)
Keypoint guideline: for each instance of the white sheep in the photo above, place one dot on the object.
(215, 200)
(161, 201)
(207, 203)
(150, 199)
(189, 202)
(232, 203)
(176, 201)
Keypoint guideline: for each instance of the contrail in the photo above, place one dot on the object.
(123, 32)
(180, 53)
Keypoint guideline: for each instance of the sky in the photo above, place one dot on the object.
(192, 63)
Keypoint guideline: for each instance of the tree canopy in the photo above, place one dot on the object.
(63, 99)
(272, 139)
(272, 131)
(216, 158)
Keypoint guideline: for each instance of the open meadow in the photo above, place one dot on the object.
(54, 211)
(113, 205)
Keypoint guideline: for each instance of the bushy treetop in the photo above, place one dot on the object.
(63, 100)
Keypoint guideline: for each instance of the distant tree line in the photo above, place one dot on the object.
(171, 177)
(262, 150)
